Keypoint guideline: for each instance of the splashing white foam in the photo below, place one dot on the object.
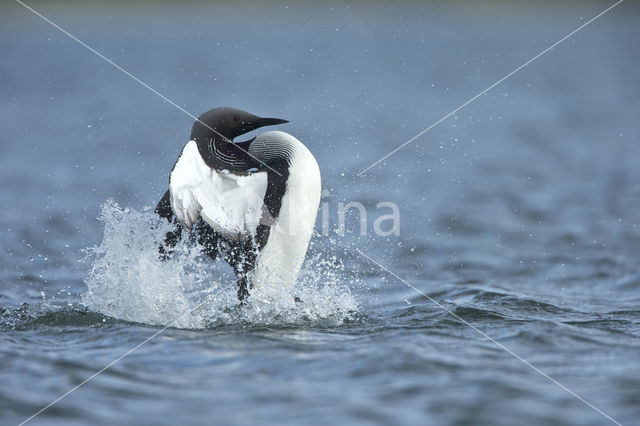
(128, 281)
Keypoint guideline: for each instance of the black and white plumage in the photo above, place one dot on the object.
(252, 203)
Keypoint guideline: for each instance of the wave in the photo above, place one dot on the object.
(128, 281)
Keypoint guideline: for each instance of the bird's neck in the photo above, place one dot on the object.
(220, 154)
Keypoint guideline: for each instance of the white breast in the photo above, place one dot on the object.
(231, 204)
(280, 260)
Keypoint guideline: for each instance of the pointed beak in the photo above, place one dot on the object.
(271, 121)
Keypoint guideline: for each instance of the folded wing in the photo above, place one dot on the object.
(232, 204)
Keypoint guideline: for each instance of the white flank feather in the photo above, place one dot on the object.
(231, 204)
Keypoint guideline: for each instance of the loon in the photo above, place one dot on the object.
(251, 203)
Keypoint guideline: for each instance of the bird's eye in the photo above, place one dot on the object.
(235, 118)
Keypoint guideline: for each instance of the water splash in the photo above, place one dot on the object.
(128, 281)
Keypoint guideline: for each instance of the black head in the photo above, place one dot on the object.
(215, 130)
(228, 122)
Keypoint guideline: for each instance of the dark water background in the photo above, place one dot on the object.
(521, 214)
